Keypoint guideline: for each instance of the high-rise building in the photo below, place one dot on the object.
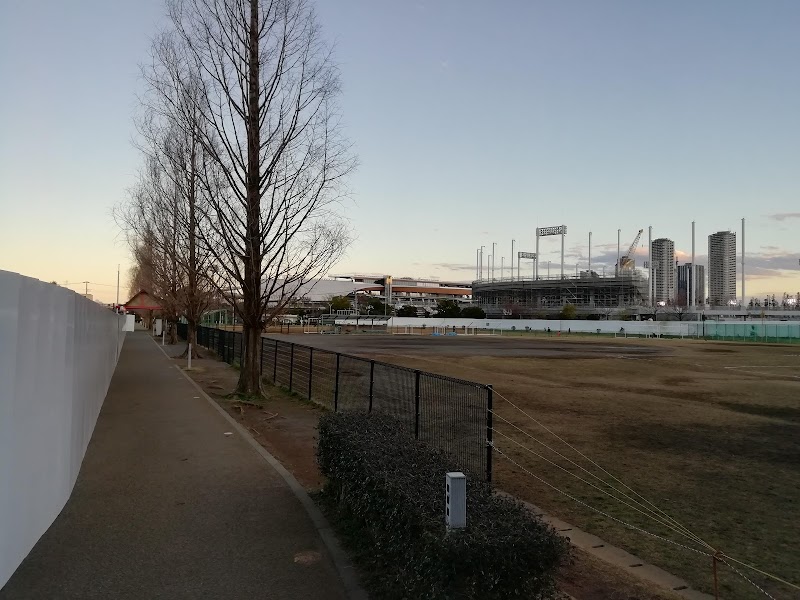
(684, 275)
(662, 259)
(722, 268)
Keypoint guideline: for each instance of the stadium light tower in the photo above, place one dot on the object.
(545, 231)
(494, 253)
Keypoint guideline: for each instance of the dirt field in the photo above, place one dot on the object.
(709, 432)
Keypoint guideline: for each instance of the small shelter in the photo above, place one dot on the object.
(145, 306)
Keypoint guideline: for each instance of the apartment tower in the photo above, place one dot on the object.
(722, 268)
(663, 262)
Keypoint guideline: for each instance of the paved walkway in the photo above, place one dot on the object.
(167, 506)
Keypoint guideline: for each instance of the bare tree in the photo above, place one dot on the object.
(150, 220)
(139, 278)
(265, 90)
(161, 222)
(170, 142)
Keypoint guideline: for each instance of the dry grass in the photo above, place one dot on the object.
(709, 432)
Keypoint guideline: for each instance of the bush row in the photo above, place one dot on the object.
(388, 493)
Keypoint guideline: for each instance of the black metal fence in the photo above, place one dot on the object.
(451, 414)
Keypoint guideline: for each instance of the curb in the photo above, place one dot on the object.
(339, 558)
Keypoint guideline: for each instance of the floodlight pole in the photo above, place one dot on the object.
(692, 283)
(590, 254)
(494, 253)
(742, 263)
(512, 259)
(650, 265)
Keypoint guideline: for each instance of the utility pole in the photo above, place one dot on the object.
(617, 269)
(117, 304)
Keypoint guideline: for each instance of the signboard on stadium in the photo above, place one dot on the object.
(558, 230)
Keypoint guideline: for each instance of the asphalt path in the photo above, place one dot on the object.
(167, 505)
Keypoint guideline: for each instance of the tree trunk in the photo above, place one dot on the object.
(173, 332)
(191, 340)
(250, 375)
(249, 378)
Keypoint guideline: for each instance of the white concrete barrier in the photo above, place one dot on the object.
(58, 352)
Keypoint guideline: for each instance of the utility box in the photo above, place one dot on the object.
(158, 327)
(455, 500)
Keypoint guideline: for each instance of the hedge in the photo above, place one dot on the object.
(387, 492)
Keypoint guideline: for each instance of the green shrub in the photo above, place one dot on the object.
(388, 493)
(473, 312)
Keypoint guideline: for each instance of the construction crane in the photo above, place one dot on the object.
(627, 261)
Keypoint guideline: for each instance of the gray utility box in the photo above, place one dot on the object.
(455, 500)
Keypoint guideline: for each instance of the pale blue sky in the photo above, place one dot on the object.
(474, 122)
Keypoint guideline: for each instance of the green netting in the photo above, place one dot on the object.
(753, 331)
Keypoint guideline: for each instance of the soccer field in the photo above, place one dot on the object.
(708, 433)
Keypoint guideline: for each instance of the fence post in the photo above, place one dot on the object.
(275, 365)
(291, 366)
(489, 394)
(261, 361)
(371, 382)
(310, 369)
(416, 404)
(336, 388)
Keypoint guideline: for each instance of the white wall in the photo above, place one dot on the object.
(638, 327)
(57, 354)
(750, 330)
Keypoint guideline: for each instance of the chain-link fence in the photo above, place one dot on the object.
(451, 414)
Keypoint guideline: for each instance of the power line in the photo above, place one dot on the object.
(69, 283)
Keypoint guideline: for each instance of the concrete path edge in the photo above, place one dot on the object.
(341, 561)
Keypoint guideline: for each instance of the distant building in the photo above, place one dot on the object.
(684, 275)
(662, 261)
(423, 294)
(144, 305)
(722, 268)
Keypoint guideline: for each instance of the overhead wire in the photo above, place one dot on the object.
(647, 514)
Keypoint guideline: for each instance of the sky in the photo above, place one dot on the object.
(473, 122)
